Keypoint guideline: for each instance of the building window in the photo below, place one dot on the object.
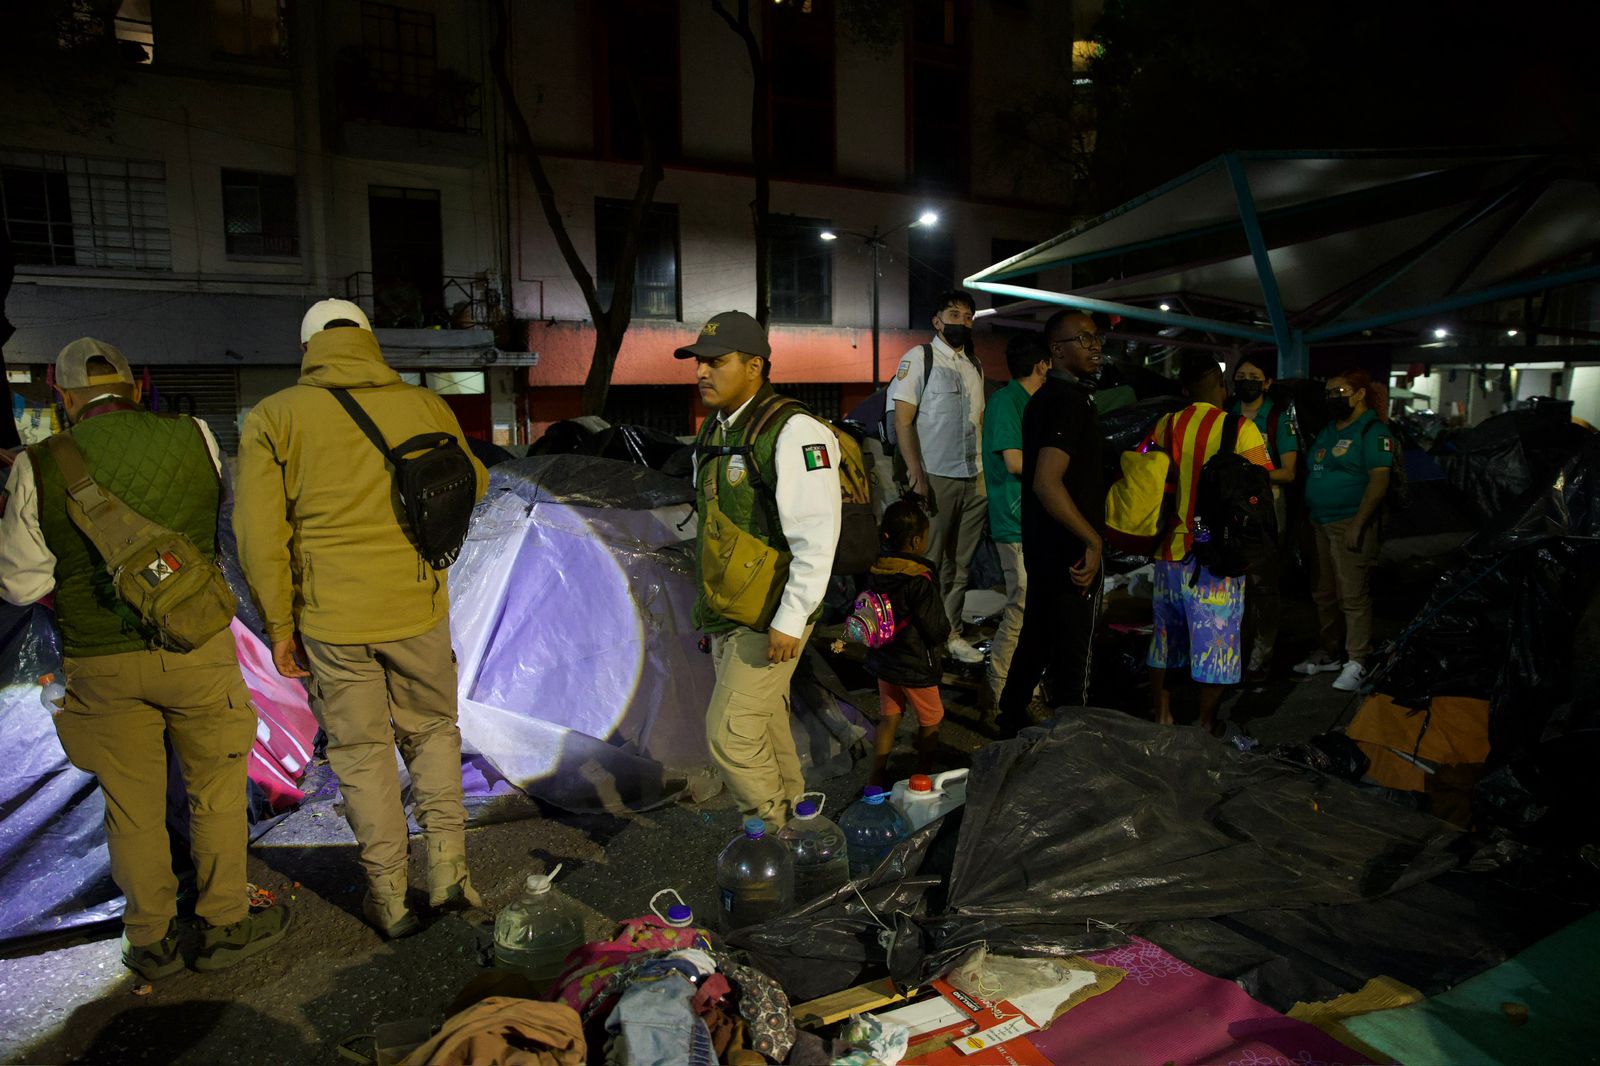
(639, 46)
(127, 25)
(930, 269)
(457, 382)
(939, 58)
(800, 49)
(668, 408)
(802, 271)
(823, 400)
(400, 48)
(655, 270)
(255, 29)
(1001, 249)
(260, 216)
(67, 210)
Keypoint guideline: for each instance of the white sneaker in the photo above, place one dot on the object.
(962, 652)
(1350, 678)
(1318, 663)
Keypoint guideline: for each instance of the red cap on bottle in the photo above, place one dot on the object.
(920, 783)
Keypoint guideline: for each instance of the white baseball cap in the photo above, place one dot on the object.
(324, 311)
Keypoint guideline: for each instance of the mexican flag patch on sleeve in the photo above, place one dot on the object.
(816, 456)
(1387, 443)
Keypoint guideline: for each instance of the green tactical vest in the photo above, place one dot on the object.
(753, 510)
(160, 466)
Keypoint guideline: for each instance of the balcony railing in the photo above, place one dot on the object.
(461, 301)
(444, 100)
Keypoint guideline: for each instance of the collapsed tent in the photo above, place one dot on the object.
(1099, 820)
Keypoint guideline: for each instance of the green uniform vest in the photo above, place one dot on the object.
(158, 465)
(752, 509)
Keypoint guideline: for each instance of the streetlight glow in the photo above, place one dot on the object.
(1441, 334)
(928, 218)
(1166, 307)
(1511, 333)
(828, 235)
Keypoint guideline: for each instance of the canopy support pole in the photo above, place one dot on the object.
(1292, 361)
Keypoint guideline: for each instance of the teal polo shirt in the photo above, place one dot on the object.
(1287, 438)
(1002, 430)
(1340, 459)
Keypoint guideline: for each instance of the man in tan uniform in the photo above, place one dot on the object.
(127, 697)
(340, 584)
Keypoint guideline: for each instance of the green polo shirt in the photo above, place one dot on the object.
(1002, 430)
(1287, 439)
(1340, 459)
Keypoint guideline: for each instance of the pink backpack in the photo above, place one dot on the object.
(871, 620)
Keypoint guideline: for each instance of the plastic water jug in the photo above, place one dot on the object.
(535, 934)
(922, 798)
(755, 877)
(679, 915)
(872, 825)
(820, 862)
(52, 693)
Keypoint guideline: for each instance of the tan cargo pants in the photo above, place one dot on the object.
(118, 713)
(1343, 592)
(1009, 631)
(747, 725)
(370, 697)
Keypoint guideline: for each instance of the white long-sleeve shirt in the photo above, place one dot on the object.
(807, 494)
(27, 565)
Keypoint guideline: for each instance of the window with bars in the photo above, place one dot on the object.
(825, 400)
(255, 29)
(260, 214)
(668, 408)
(802, 271)
(400, 47)
(66, 210)
(655, 270)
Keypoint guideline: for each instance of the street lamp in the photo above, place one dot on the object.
(876, 241)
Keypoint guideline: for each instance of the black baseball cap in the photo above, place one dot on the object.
(731, 331)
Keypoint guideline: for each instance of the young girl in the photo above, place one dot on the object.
(909, 667)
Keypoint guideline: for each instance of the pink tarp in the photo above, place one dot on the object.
(285, 726)
(1165, 1011)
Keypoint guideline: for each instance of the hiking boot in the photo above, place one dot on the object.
(449, 882)
(1319, 663)
(1350, 678)
(962, 652)
(154, 961)
(386, 908)
(222, 946)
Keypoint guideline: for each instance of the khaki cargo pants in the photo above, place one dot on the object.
(117, 716)
(370, 697)
(747, 725)
(1343, 592)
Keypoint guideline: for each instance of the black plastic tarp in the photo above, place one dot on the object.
(1499, 461)
(1097, 821)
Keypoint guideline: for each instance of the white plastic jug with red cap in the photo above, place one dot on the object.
(922, 798)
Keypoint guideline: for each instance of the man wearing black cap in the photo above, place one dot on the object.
(767, 481)
(127, 697)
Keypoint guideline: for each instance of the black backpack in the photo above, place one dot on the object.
(437, 483)
(1233, 507)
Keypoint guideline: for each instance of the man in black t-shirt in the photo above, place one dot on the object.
(1063, 516)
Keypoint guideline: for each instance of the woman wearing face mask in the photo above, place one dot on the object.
(1277, 426)
(1349, 475)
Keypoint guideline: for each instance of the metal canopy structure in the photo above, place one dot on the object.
(1290, 249)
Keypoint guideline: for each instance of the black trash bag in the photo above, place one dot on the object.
(1498, 462)
(1099, 820)
(1333, 754)
(1122, 430)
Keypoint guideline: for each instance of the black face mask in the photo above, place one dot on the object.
(1339, 408)
(957, 336)
(1248, 389)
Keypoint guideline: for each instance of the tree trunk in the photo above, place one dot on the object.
(760, 151)
(610, 323)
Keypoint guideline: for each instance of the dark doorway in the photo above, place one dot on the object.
(407, 257)
(473, 414)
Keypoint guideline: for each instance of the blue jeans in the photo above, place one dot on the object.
(656, 1023)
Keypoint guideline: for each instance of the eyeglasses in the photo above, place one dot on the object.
(1346, 391)
(1087, 341)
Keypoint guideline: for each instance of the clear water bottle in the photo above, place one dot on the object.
(535, 934)
(53, 694)
(872, 825)
(755, 877)
(820, 862)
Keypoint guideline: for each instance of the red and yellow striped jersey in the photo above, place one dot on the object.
(1191, 436)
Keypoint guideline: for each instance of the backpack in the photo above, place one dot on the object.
(174, 587)
(889, 434)
(1398, 496)
(858, 543)
(437, 483)
(871, 621)
(1140, 510)
(1233, 506)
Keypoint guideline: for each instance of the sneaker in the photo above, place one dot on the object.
(154, 961)
(1319, 663)
(222, 946)
(1350, 678)
(962, 652)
